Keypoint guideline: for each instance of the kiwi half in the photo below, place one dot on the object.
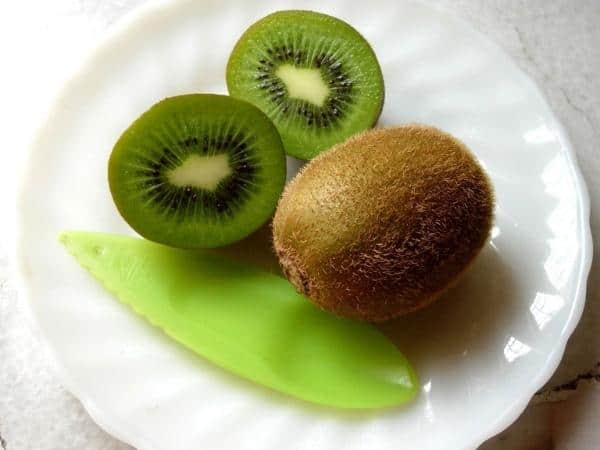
(197, 170)
(382, 224)
(314, 75)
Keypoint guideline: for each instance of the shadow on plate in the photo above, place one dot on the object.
(464, 321)
(256, 249)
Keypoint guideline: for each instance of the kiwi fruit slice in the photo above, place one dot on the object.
(382, 224)
(314, 75)
(198, 170)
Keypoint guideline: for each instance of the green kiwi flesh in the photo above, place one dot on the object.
(382, 224)
(314, 75)
(197, 170)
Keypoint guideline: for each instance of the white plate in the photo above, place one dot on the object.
(481, 352)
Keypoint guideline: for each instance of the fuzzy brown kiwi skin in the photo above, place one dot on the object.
(383, 223)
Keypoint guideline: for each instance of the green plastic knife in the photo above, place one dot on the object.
(249, 321)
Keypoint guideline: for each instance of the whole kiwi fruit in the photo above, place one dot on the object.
(381, 224)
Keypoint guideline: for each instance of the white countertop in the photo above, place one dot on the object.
(556, 42)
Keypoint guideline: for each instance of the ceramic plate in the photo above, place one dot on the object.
(481, 352)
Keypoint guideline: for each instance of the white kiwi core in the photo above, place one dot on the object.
(304, 84)
(204, 172)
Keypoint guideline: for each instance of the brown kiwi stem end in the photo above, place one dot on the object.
(292, 270)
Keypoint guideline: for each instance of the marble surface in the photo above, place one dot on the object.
(556, 42)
